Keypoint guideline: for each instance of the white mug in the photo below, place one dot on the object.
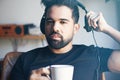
(61, 72)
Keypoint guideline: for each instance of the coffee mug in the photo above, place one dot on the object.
(61, 72)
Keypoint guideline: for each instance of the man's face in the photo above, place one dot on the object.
(59, 26)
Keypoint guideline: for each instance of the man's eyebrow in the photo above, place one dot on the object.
(59, 19)
(64, 19)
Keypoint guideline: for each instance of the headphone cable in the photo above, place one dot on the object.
(98, 56)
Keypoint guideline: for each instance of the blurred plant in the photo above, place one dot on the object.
(113, 0)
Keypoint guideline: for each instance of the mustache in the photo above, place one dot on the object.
(55, 33)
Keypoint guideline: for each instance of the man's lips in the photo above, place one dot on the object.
(55, 36)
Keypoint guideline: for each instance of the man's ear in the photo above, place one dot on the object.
(76, 28)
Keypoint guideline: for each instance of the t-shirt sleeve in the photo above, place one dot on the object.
(104, 54)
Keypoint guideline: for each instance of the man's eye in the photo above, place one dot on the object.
(62, 22)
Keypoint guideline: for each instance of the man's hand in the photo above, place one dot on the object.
(97, 21)
(99, 24)
(40, 74)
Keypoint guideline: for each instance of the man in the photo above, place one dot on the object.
(61, 24)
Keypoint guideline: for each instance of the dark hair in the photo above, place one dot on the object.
(72, 4)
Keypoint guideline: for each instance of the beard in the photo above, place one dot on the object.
(57, 44)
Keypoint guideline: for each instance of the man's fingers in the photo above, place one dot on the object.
(94, 19)
(40, 74)
(91, 16)
(41, 71)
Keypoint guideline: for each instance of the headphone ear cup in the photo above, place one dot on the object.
(42, 25)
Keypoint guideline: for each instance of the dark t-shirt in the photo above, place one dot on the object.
(87, 60)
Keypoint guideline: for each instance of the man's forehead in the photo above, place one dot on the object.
(59, 12)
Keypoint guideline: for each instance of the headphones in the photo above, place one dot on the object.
(42, 24)
(87, 27)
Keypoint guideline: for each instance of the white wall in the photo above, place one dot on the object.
(30, 11)
(20, 12)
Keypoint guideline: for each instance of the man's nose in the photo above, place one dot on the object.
(56, 27)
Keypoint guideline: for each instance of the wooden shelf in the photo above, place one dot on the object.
(25, 37)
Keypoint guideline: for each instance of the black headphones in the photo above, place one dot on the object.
(87, 27)
(42, 24)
